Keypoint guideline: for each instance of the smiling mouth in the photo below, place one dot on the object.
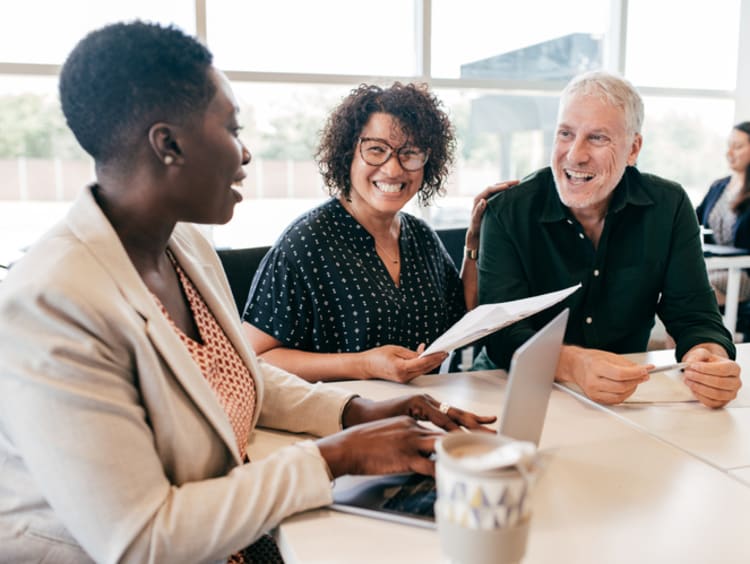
(389, 188)
(577, 177)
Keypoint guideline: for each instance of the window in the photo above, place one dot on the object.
(41, 31)
(685, 139)
(497, 68)
(325, 36)
(683, 44)
(479, 39)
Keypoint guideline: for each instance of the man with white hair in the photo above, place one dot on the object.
(631, 239)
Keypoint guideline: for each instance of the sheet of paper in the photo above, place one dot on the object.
(488, 318)
(662, 387)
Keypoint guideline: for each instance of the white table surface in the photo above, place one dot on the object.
(720, 437)
(610, 492)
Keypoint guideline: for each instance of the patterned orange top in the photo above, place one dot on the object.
(219, 361)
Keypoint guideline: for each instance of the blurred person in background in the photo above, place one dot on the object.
(725, 210)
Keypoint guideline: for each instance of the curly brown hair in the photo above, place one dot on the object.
(417, 111)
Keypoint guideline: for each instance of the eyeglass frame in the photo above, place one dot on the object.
(397, 152)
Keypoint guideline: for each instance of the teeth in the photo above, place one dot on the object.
(237, 183)
(389, 188)
(579, 175)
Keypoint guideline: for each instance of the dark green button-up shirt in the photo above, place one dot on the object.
(649, 261)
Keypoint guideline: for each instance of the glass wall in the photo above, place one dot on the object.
(497, 67)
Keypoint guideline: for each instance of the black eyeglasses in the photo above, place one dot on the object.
(376, 152)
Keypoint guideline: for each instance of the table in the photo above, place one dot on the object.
(611, 491)
(718, 437)
(734, 265)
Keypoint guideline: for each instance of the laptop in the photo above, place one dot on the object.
(409, 498)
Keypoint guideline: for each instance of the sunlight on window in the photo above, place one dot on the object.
(502, 134)
(57, 26)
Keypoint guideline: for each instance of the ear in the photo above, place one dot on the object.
(635, 149)
(163, 140)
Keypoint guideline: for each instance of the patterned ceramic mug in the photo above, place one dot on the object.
(483, 506)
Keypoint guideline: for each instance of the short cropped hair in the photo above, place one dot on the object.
(416, 110)
(124, 77)
(612, 89)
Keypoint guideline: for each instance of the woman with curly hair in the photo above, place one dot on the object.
(356, 288)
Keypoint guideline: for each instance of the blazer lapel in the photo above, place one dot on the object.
(92, 227)
(211, 283)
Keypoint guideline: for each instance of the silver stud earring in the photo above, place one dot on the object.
(168, 160)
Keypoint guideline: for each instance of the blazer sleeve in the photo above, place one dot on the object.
(293, 404)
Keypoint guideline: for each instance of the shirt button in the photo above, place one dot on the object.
(589, 321)
(570, 221)
(580, 235)
(596, 273)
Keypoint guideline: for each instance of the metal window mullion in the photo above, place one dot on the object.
(201, 22)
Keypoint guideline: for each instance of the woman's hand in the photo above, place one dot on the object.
(469, 276)
(384, 437)
(399, 364)
(420, 407)
(387, 446)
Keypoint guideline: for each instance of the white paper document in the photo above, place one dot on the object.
(488, 318)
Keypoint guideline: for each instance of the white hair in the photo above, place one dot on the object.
(612, 89)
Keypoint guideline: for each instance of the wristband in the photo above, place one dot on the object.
(471, 254)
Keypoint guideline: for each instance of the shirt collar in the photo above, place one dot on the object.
(629, 191)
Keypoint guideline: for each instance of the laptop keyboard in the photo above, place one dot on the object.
(416, 496)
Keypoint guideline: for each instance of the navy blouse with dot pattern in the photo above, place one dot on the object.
(323, 288)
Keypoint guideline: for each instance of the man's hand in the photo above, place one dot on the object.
(713, 378)
(399, 364)
(604, 377)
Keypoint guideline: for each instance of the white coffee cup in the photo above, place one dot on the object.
(483, 506)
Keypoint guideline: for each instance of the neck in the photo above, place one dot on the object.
(383, 227)
(592, 214)
(143, 231)
(592, 220)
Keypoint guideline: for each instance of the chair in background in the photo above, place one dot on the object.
(453, 240)
(240, 266)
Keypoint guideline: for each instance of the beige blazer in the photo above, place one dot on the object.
(113, 447)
